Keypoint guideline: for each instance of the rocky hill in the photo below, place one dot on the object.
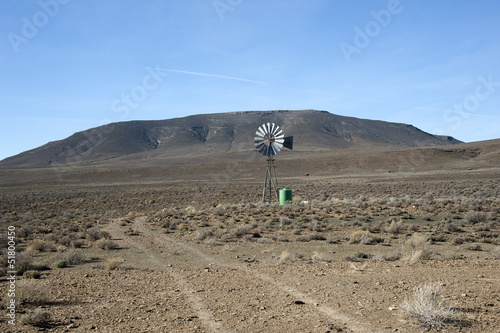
(218, 133)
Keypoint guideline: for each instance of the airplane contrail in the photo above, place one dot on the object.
(210, 75)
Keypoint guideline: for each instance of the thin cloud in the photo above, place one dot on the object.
(209, 75)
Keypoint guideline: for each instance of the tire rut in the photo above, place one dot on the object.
(163, 239)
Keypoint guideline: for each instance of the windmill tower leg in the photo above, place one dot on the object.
(265, 184)
(270, 182)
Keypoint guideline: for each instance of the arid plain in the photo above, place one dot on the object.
(187, 246)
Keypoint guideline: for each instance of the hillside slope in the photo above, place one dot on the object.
(222, 132)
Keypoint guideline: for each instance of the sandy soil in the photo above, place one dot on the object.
(172, 278)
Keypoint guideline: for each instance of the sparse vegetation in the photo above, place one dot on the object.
(106, 244)
(427, 308)
(39, 317)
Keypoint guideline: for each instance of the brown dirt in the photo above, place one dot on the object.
(268, 277)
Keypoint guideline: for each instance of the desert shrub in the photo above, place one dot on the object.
(202, 234)
(414, 248)
(437, 238)
(356, 236)
(318, 257)
(284, 256)
(32, 274)
(426, 308)
(242, 231)
(113, 263)
(73, 257)
(106, 244)
(77, 243)
(39, 317)
(393, 256)
(310, 237)
(93, 233)
(61, 263)
(32, 291)
(358, 257)
(483, 227)
(284, 221)
(38, 266)
(376, 228)
(23, 262)
(41, 245)
(475, 217)
(458, 240)
(104, 234)
(67, 240)
(135, 232)
(395, 228)
(25, 231)
(413, 228)
(472, 247)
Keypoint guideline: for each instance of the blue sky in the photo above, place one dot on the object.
(68, 65)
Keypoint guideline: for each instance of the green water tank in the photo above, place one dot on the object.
(285, 195)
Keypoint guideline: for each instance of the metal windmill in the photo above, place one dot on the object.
(269, 140)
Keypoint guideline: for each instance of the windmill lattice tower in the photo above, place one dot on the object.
(269, 140)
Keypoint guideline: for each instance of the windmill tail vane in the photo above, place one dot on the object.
(270, 140)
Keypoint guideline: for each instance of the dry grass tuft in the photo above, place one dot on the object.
(32, 291)
(113, 263)
(40, 245)
(39, 317)
(427, 308)
(414, 249)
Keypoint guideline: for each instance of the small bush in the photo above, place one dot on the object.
(414, 249)
(39, 317)
(395, 228)
(475, 217)
(32, 291)
(40, 245)
(113, 263)
(473, 247)
(23, 262)
(32, 274)
(104, 234)
(61, 264)
(426, 308)
(38, 266)
(202, 234)
(93, 234)
(73, 257)
(357, 236)
(107, 244)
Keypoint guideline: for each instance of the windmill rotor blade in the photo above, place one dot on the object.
(261, 131)
(276, 130)
(257, 139)
(259, 145)
(259, 134)
(270, 140)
